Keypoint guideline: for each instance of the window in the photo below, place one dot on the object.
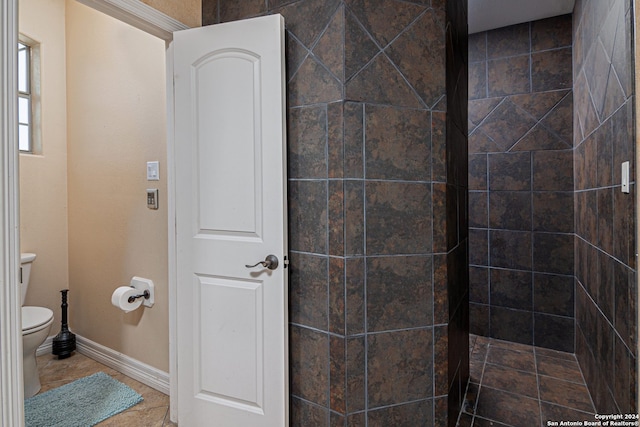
(28, 96)
(24, 98)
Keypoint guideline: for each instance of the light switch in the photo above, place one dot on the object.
(152, 198)
(153, 171)
(625, 177)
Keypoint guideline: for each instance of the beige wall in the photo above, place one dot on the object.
(82, 200)
(43, 178)
(186, 11)
(116, 123)
(102, 120)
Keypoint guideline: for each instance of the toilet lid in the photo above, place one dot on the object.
(33, 317)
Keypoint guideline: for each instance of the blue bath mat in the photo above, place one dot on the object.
(82, 403)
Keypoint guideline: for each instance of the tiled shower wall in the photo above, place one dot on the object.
(377, 207)
(521, 183)
(605, 247)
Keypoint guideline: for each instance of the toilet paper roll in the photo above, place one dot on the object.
(120, 298)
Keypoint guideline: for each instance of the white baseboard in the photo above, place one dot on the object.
(45, 347)
(139, 371)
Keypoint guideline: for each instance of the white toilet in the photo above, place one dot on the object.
(36, 324)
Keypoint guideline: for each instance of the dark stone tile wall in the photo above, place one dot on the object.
(605, 247)
(521, 204)
(377, 114)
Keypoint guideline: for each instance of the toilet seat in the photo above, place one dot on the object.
(35, 319)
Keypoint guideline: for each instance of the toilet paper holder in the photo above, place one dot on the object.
(146, 291)
(146, 295)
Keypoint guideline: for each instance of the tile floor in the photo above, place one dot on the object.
(523, 386)
(152, 412)
(511, 385)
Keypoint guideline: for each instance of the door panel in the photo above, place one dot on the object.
(235, 77)
(234, 377)
(230, 213)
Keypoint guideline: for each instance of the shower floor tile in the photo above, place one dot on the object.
(516, 385)
(153, 411)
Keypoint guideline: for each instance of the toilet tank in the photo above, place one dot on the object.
(25, 271)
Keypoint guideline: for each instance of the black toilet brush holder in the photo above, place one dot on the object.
(65, 342)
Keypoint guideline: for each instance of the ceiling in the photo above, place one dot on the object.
(490, 14)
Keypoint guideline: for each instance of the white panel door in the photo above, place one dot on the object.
(231, 213)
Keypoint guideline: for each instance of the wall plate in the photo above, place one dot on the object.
(142, 284)
(153, 171)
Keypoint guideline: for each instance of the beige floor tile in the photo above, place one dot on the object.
(69, 369)
(152, 398)
(136, 418)
(153, 411)
(168, 422)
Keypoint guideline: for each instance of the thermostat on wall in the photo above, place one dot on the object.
(152, 198)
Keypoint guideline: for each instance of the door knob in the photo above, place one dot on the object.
(270, 262)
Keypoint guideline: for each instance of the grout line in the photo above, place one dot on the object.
(486, 65)
(511, 393)
(566, 407)
(488, 236)
(364, 266)
(530, 53)
(491, 421)
(522, 271)
(509, 367)
(579, 331)
(535, 362)
(484, 363)
(562, 379)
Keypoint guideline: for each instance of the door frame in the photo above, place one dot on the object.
(143, 17)
(11, 382)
